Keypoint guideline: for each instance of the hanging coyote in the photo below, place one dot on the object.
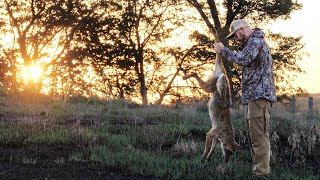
(219, 111)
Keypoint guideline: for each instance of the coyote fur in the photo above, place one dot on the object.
(219, 111)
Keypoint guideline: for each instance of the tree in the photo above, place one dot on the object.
(143, 24)
(117, 48)
(165, 81)
(220, 17)
(91, 51)
(285, 60)
(53, 34)
(185, 61)
(68, 37)
(35, 27)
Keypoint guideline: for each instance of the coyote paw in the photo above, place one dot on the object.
(203, 159)
(228, 153)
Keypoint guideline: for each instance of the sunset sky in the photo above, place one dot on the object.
(305, 23)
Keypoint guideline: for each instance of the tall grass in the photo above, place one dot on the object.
(164, 142)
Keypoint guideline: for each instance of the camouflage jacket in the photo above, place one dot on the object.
(257, 72)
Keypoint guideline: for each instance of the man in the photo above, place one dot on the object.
(258, 89)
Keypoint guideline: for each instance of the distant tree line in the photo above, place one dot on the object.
(117, 48)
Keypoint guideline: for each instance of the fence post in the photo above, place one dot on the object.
(293, 101)
(311, 105)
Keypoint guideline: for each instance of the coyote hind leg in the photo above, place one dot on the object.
(229, 149)
(211, 136)
(214, 143)
(227, 155)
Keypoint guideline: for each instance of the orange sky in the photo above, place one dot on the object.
(305, 23)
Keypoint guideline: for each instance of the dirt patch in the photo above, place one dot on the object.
(45, 162)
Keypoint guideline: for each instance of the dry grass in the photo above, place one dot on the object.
(184, 148)
(167, 143)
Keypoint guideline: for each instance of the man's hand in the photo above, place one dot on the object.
(218, 47)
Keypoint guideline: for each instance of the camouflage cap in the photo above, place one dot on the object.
(235, 25)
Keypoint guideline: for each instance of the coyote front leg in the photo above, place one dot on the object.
(208, 86)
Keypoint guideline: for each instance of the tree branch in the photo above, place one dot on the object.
(214, 14)
(196, 4)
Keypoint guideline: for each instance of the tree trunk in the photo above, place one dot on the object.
(143, 89)
(141, 78)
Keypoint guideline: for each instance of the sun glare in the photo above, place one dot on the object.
(32, 73)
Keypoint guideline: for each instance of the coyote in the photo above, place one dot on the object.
(219, 111)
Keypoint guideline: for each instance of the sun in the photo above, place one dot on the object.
(32, 73)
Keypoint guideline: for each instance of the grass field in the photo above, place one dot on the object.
(148, 143)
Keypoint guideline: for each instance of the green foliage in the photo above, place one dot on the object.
(143, 162)
(163, 142)
(264, 10)
(284, 60)
(287, 51)
(118, 49)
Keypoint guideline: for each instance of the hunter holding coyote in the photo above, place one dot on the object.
(258, 88)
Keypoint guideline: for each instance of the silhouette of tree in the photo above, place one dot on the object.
(220, 14)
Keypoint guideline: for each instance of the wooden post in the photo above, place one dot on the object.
(311, 105)
(293, 101)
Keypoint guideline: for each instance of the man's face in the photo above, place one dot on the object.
(239, 35)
